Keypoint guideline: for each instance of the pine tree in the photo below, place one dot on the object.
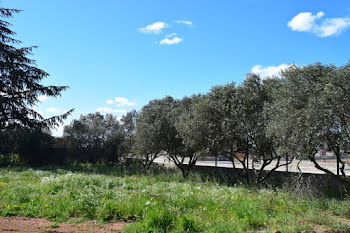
(20, 82)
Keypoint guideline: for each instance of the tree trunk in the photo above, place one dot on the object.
(185, 172)
(338, 161)
(343, 181)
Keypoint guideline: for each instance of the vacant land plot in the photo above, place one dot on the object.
(33, 225)
(160, 203)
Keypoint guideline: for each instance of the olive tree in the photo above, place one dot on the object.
(191, 133)
(170, 128)
(311, 112)
(154, 130)
(129, 127)
(239, 123)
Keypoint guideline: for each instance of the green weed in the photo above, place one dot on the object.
(160, 201)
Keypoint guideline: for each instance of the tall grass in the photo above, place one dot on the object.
(161, 201)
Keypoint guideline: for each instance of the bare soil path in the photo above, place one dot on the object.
(39, 225)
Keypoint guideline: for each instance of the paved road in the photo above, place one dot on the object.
(305, 166)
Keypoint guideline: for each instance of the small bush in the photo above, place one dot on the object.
(9, 159)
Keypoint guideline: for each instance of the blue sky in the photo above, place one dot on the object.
(127, 53)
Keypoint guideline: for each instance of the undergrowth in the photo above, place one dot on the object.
(161, 201)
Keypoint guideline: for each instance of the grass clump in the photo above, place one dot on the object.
(160, 201)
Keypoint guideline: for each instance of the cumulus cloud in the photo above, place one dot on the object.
(42, 98)
(334, 26)
(110, 110)
(52, 110)
(189, 23)
(122, 101)
(109, 102)
(155, 28)
(307, 22)
(167, 41)
(304, 21)
(269, 71)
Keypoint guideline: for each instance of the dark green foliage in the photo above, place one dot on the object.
(95, 138)
(129, 126)
(31, 146)
(20, 84)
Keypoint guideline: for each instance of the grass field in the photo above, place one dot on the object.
(161, 201)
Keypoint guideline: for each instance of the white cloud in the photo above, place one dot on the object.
(109, 102)
(307, 22)
(52, 110)
(168, 41)
(155, 28)
(304, 21)
(171, 34)
(110, 110)
(333, 26)
(42, 98)
(189, 23)
(269, 71)
(122, 101)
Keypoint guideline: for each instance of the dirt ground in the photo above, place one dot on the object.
(34, 225)
(329, 231)
(40, 225)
